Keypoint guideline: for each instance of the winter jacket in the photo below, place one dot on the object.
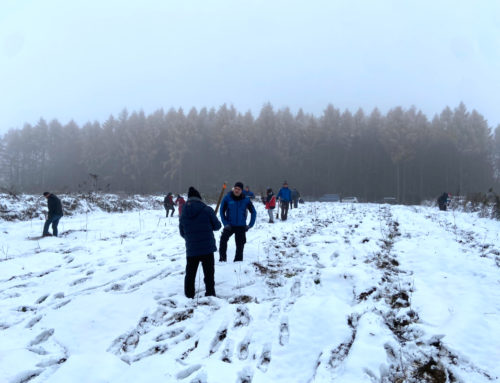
(248, 194)
(180, 202)
(55, 206)
(270, 201)
(443, 199)
(233, 210)
(285, 194)
(168, 201)
(196, 225)
(295, 195)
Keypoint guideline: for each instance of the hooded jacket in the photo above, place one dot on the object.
(196, 226)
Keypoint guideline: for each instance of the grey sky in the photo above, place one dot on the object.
(87, 59)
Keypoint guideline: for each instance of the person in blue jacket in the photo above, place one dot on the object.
(196, 225)
(233, 213)
(284, 196)
(248, 193)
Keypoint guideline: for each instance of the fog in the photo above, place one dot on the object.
(85, 60)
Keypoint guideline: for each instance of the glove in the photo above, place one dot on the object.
(227, 227)
(247, 228)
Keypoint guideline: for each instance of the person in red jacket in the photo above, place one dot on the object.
(270, 204)
(180, 201)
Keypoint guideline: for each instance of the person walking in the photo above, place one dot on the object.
(295, 198)
(180, 201)
(270, 203)
(54, 215)
(233, 214)
(284, 196)
(168, 203)
(443, 201)
(196, 225)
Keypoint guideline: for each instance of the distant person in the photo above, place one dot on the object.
(248, 193)
(233, 214)
(443, 201)
(295, 198)
(180, 201)
(270, 202)
(168, 203)
(196, 225)
(284, 196)
(490, 197)
(496, 208)
(54, 215)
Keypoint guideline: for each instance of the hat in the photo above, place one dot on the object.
(285, 183)
(46, 194)
(192, 192)
(239, 185)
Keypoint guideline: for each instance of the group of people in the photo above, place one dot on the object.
(169, 203)
(197, 223)
(286, 199)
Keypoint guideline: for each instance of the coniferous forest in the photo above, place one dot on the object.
(401, 154)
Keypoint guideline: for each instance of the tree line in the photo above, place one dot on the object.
(401, 154)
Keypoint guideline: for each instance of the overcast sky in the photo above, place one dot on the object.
(87, 59)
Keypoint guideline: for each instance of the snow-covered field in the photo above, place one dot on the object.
(338, 293)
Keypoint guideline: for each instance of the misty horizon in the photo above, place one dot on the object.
(83, 61)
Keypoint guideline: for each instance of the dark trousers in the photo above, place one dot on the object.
(284, 210)
(54, 220)
(168, 208)
(240, 238)
(442, 206)
(207, 263)
(295, 203)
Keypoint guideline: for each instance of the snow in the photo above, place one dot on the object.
(338, 292)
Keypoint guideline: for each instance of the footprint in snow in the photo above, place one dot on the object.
(32, 322)
(265, 358)
(243, 348)
(275, 310)
(295, 289)
(42, 337)
(284, 331)
(227, 352)
(42, 299)
(79, 281)
(245, 375)
(218, 339)
(242, 316)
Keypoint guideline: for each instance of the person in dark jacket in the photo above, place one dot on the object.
(180, 201)
(169, 203)
(233, 213)
(55, 214)
(284, 196)
(196, 225)
(295, 198)
(270, 202)
(443, 201)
